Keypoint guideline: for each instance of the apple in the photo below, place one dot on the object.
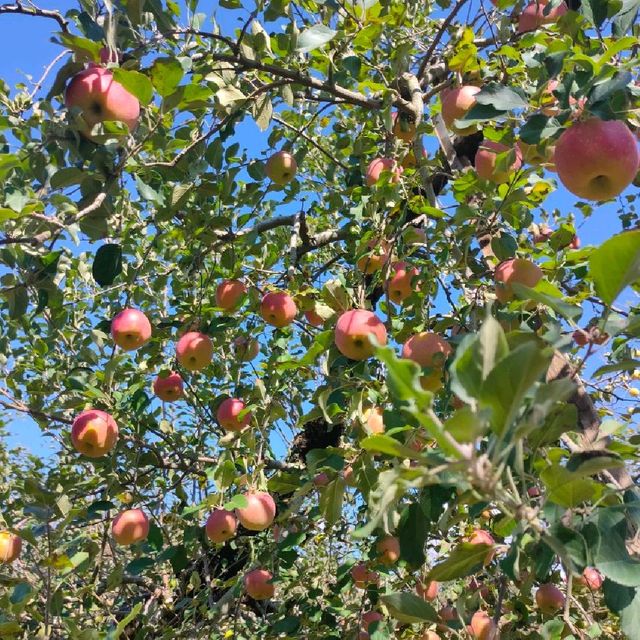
(130, 329)
(246, 349)
(228, 415)
(314, 318)
(362, 576)
(428, 591)
(455, 104)
(597, 159)
(480, 536)
(130, 526)
(483, 627)
(281, 168)
(403, 126)
(427, 349)
(259, 512)
(278, 309)
(353, 330)
(480, 587)
(194, 351)
(257, 584)
(378, 165)
(549, 598)
(399, 283)
(534, 492)
(374, 420)
(534, 15)
(388, 549)
(108, 55)
(575, 243)
(221, 525)
(229, 294)
(349, 476)
(515, 271)
(101, 99)
(581, 337)
(94, 433)
(170, 388)
(321, 480)
(369, 617)
(447, 613)
(10, 547)
(376, 258)
(591, 578)
(486, 157)
(541, 233)
(409, 160)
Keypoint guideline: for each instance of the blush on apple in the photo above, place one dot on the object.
(353, 330)
(194, 351)
(94, 433)
(169, 388)
(278, 309)
(130, 526)
(281, 168)
(130, 329)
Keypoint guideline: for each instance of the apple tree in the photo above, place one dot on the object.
(325, 316)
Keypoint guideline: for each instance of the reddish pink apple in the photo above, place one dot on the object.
(321, 480)
(94, 433)
(483, 627)
(221, 525)
(535, 15)
(487, 158)
(388, 549)
(229, 294)
(130, 329)
(259, 512)
(194, 351)
(515, 271)
(10, 547)
(378, 165)
(369, 617)
(428, 591)
(353, 330)
(228, 415)
(399, 284)
(362, 576)
(130, 526)
(278, 309)
(257, 584)
(314, 318)
(169, 388)
(480, 536)
(427, 349)
(374, 419)
(281, 168)
(455, 105)
(591, 578)
(549, 599)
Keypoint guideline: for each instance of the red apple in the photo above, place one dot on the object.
(483, 627)
(480, 536)
(362, 576)
(515, 271)
(10, 547)
(428, 591)
(591, 578)
(130, 329)
(313, 318)
(321, 480)
(597, 159)
(259, 512)
(257, 584)
(388, 549)
(399, 284)
(101, 99)
(534, 492)
(281, 168)
(221, 525)
(246, 349)
(404, 126)
(541, 233)
(94, 433)
(229, 294)
(534, 15)
(581, 337)
(549, 598)
(369, 617)
(228, 415)
(447, 613)
(194, 350)
(575, 243)
(278, 309)
(455, 104)
(353, 330)
(376, 258)
(486, 159)
(378, 165)
(427, 349)
(374, 419)
(170, 388)
(130, 526)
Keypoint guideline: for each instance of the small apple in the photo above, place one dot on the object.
(278, 309)
(399, 285)
(581, 337)
(486, 160)
(228, 415)
(221, 525)
(169, 388)
(369, 617)
(374, 420)
(404, 126)
(94, 433)
(321, 480)
(376, 168)
(130, 329)
(591, 578)
(362, 576)
(427, 349)
(194, 351)
(353, 330)
(376, 258)
(388, 549)
(535, 15)
(575, 243)
(130, 526)
(259, 512)
(257, 584)
(515, 271)
(483, 627)
(480, 536)
(229, 294)
(549, 598)
(597, 159)
(314, 318)
(534, 492)
(455, 104)
(108, 55)
(10, 547)
(447, 613)
(281, 168)
(428, 591)
(246, 349)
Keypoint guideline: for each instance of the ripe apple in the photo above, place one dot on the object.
(534, 15)
(281, 168)
(353, 330)
(221, 525)
(378, 165)
(376, 258)
(515, 270)
(388, 549)
(314, 318)
(246, 349)
(10, 547)
(130, 526)
(399, 284)
(257, 584)
(534, 492)
(94, 433)
(362, 576)
(597, 159)
(170, 388)
(549, 598)
(575, 243)
(321, 480)
(229, 294)
(403, 126)
(581, 337)
(278, 309)
(486, 159)
(369, 617)
(228, 415)
(455, 104)
(130, 329)
(480, 536)
(427, 349)
(591, 578)
(483, 627)
(101, 99)
(259, 512)
(374, 420)
(194, 350)
(447, 613)
(428, 591)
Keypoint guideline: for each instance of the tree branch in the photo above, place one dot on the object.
(18, 8)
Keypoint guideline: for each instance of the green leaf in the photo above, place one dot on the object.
(625, 17)
(464, 560)
(413, 532)
(166, 74)
(67, 176)
(624, 365)
(237, 502)
(136, 83)
(124, 623)
(612, 557)
(537, 128)
(501, 97)
(262, 111)
(615, 265)
(625, 601)
(381, 443)
(88, 49)
(568, 488)
(562, 308)
(331, 498)
(403, 377)
(408, 607)
(20, 592)
(314, 37)
(107, 265)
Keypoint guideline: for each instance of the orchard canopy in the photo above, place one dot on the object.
(320, 320)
